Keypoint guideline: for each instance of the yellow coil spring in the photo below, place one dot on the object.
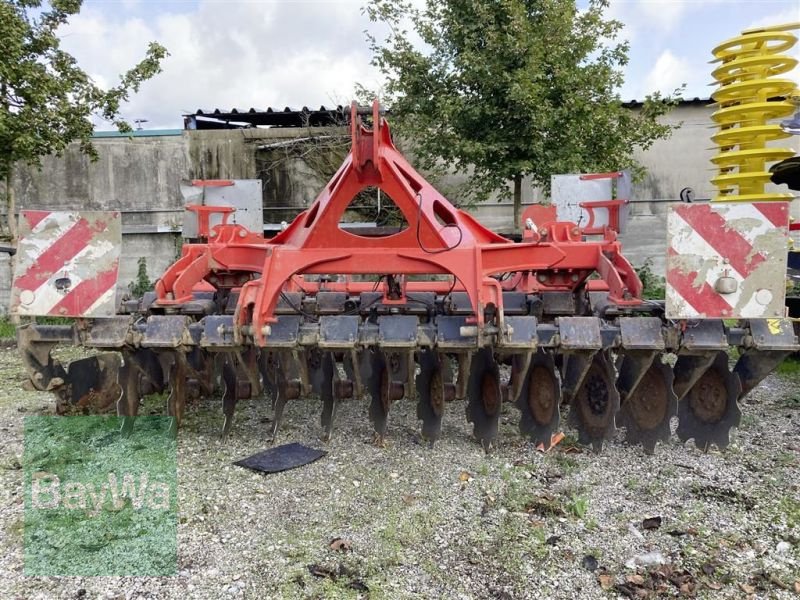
(747, 79)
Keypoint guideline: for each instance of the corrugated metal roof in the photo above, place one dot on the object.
(684, 102)
(215, 118)
(233, 118)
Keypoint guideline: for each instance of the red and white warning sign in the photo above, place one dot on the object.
(727, 260)
(67, 264)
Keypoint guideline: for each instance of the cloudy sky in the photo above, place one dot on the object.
(260, 53)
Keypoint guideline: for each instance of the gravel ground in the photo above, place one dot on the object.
(451, 522)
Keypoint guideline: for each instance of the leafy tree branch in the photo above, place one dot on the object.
(511, 89)
(46, 99)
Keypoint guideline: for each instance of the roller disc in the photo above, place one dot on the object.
(539, 400)
(430, 386)
(709, 410)
(329, 399)
(646, 413)
(483, 398)
(595, 404)
(92, 385)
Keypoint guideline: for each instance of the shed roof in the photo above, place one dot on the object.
(218, 118)
(234, 118)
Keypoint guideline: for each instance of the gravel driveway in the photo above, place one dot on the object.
(450, 522)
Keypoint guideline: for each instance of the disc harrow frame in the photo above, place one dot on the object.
(454, 308)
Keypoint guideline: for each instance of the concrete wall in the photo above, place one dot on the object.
(684, 160)
(140, 177)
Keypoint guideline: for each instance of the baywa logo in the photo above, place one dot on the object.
(99, 502)
(47, 492)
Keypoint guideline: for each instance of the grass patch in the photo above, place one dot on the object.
(578, 505)
(81, 490)
(791, 401)
(567, 463)
(653, 286)
(790, 366)
(789, 507)
(748, 421)
(632, 484)
(8, 330)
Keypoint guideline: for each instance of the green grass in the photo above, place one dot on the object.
(790, 366)
(566, 462)
(748, 421)
(7, 329)
(791, 402)
(577, 505)
(789, 508)
(653, 286)
(54, 320)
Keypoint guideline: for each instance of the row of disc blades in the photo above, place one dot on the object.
(706, 412)
(706, 409)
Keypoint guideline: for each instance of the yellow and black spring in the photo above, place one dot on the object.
(751, 93)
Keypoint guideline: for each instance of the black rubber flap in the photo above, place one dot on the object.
(281, 458)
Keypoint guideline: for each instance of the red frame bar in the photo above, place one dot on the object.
(439, 239)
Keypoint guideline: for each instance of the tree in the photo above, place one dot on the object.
(46, 99)
(511, 88)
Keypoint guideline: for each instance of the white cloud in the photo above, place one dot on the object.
(668, 73)
(654, 19)
(282, 53)
(666, 13)
(790, 15)
(226, 55)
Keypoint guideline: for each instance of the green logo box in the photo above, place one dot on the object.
(98, 501)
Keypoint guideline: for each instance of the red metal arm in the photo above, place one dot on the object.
(439, 239)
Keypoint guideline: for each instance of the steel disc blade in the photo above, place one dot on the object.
(266, 367)
(539, 400)
(314, 359)
(229, 398)
(430, 386)
(200, 361)
(277, 415)
(646, 413)
(92, 385)
(152, 379)
(176, 401)
(595, 403)
(130, 381)
(710, 409)
(329, 399)
(281, 366)
(484, 398)
(378, 385)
